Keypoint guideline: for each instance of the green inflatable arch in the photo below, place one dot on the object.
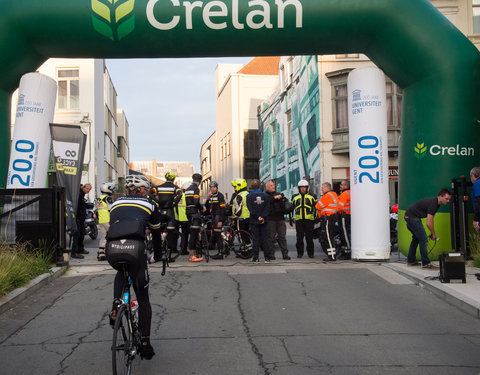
(412, 42)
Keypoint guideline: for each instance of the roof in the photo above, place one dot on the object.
(265, 65)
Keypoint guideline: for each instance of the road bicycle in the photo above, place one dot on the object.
(237, 240)
(126, 340)
(203, 240)
(164, 246)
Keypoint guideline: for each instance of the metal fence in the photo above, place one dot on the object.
(36, 216)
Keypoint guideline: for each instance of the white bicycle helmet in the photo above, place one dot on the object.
(107, 187)
(136, 181)
(302, 183)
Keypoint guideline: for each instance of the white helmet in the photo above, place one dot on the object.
(302, 183)
(107, 187)
(186, 185)
(136, 181)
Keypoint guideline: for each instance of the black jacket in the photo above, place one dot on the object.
(277, 206)
(167, 193)
(81, 207)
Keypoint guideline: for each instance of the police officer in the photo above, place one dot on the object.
(182, 219)
(103, 205)
(345, 219)
(238, 202)
(304, 208)
(258, 204)
(194, 210)
(327, 207)
(167, 197)
(215, 205)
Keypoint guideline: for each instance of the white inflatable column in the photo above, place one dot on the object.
(368, 164)
(30, 149)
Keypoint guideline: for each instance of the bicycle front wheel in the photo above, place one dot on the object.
(122, 343)
(242, 244)
(205, 247)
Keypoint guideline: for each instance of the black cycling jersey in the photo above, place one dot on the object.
(166, 194)
(216, 206)
(192, 199)
(138, 208)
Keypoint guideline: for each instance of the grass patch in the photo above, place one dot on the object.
(475, 248)
(20, 264)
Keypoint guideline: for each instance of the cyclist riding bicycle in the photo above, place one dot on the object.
(130, 215)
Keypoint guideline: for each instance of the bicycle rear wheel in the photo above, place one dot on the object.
(205, 247)
(242, 244)
(122, 343)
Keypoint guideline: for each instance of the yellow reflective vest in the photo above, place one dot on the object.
(181, 209)
(102, 209)
(240, 208)
(304, 205)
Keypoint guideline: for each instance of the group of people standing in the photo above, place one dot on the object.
(262, 214)
(331, 213)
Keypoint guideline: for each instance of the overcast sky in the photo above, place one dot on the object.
(169, 103)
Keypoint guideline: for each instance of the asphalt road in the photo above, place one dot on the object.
(296, 317)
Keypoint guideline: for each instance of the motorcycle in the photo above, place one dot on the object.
(90, 227)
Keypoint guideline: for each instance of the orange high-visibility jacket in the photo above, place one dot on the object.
(327, 204)
(344, 202)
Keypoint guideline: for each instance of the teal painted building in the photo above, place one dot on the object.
(289, 125)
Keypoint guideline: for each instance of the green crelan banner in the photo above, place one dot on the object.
(411, 41)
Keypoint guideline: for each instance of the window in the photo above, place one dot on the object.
(394, 104)
(250, 144)
(208, 159)
(282, 78)
(68, 89)
(288, 129)
(340, 104)
(273, 132)
(250, 169)
(476, 16)
(228, 144)
(289, 71)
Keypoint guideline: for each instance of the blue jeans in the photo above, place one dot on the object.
(419, 237)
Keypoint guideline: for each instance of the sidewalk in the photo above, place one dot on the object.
(466, 296)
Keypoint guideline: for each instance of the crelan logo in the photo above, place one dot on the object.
(113, 19)
(420, 150)
(437, 150)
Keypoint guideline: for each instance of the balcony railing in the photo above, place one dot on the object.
(341, 146)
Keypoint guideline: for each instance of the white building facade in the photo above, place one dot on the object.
(156, 170)
(234, 151)
(86, 97)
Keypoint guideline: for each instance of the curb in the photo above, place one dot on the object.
(11, 299)
(460, 301)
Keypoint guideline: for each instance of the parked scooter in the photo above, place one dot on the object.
(393, 227)
(91, 228)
